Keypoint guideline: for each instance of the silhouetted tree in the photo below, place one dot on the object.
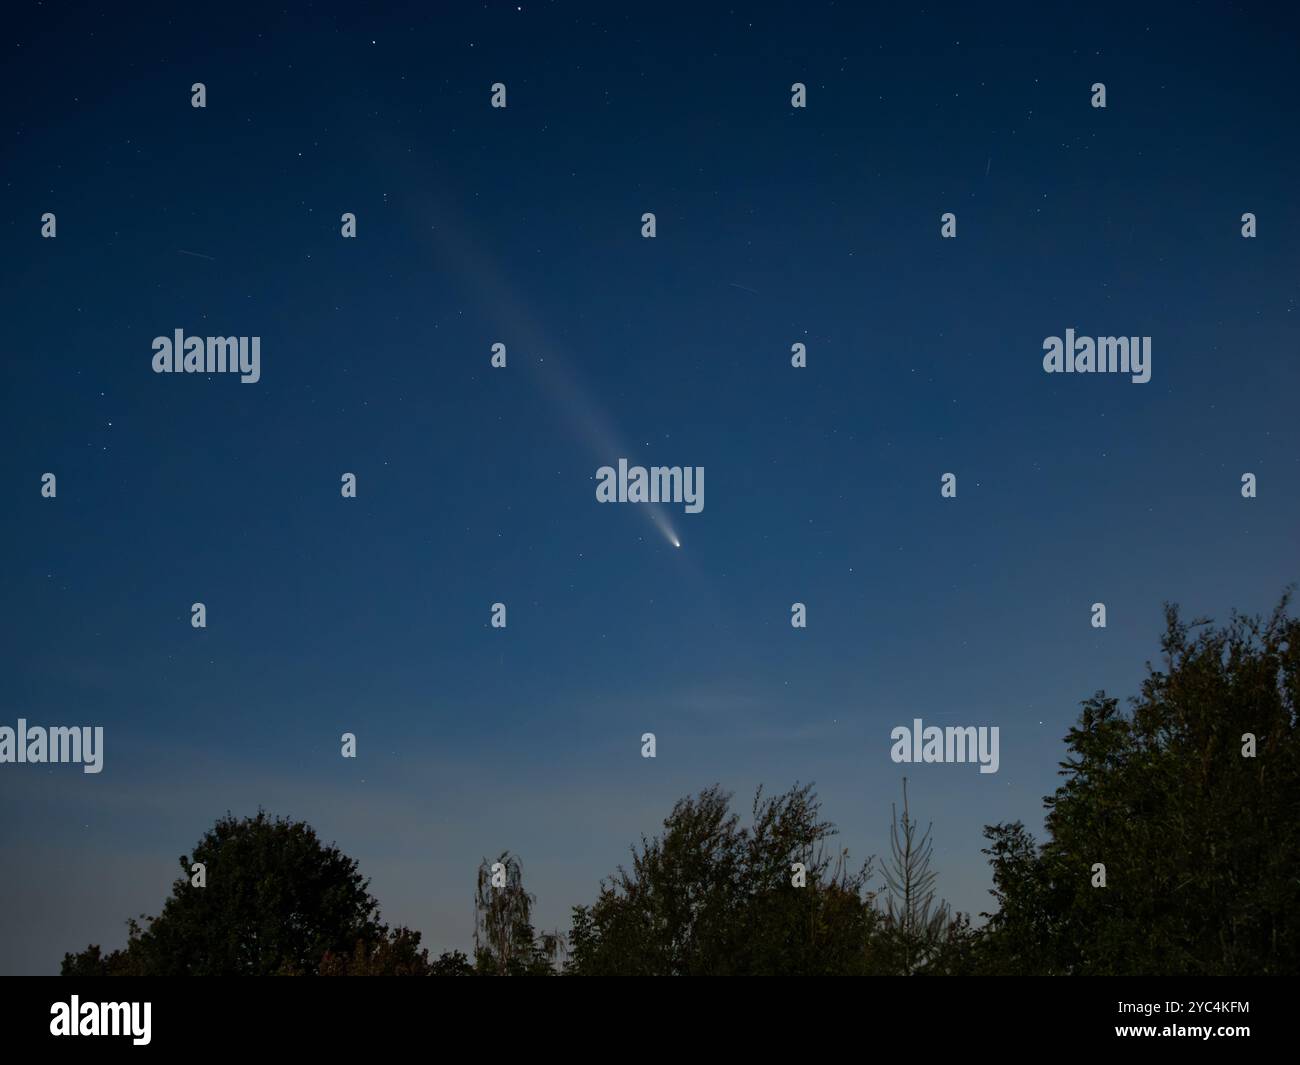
(398, 953)
(91, 962)
(505, 943)
(277, 900)
(708, 897)
(1200, 841)
(917, 928)
(452, 963)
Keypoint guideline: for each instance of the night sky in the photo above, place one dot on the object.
(478, 225)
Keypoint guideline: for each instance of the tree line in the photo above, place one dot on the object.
(1187, 799)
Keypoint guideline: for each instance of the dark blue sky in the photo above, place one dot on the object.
(522, 226)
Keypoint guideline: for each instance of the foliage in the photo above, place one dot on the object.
(398, 953)
(276, 900)
(1200, 843)
(710, 897)
(505, 943)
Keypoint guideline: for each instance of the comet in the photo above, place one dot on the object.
(586, 418)
(660, 521)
